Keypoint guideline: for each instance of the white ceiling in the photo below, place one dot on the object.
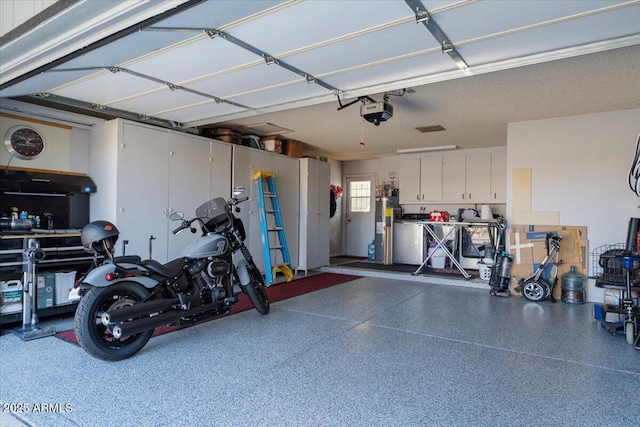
(233, 64)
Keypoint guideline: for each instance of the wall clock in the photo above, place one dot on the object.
(24, 142)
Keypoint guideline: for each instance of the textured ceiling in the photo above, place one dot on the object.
(475, 110)
(189, 64)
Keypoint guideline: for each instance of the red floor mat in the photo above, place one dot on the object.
(277, 292)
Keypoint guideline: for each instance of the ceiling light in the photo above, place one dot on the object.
(426, 149)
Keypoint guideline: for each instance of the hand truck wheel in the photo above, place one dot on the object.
(535, 290)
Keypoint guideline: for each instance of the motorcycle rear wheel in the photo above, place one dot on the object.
(94, 337)
(256, 291)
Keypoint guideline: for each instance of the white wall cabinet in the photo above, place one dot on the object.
(143, 174)
(409, 182)
(143, 190)
(478, 177)
(314, 214)
(246, 162)
(472, 177)
(498, 177)
(420, 179)
(453, 177)
(193, 181)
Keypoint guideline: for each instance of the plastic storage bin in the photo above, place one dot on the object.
(438, 258)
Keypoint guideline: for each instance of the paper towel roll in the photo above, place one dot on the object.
(485, 212)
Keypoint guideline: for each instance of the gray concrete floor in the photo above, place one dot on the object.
(376, 351)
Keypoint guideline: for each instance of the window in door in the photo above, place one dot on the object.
(360, 196)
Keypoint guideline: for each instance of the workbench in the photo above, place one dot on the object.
(63, 252)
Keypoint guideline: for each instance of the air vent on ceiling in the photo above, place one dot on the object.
(427, 129)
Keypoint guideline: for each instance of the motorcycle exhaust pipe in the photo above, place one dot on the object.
(141, 325)
(145, 308)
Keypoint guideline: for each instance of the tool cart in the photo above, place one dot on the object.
(618, 269)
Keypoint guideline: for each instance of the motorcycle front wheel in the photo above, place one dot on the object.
(96, 338)
(256, 291)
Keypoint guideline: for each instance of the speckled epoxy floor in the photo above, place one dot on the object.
(371, 352)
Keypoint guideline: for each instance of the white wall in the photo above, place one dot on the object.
(579, 169)
(66, 148)
(379, 167)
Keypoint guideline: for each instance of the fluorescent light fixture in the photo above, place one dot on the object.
(426, 149)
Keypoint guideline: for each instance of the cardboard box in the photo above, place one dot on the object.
(272, 144)
(292, 148)
(529, 247)
(45, 285)
(64, 284)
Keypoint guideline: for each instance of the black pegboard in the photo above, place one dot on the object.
(68, 210)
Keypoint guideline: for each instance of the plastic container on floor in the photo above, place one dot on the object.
(484, 270)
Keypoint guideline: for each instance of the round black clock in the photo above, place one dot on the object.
(24, 142)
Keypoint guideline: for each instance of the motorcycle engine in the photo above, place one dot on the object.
(218, 268)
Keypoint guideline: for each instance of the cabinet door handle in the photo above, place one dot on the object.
(423, 197)
(417, 197)
(469, 196)
(462, 196)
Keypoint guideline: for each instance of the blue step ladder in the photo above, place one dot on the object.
(271, 229)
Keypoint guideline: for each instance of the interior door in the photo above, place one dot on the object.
(360, 214)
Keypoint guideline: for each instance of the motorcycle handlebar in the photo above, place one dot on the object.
(185, 224)
(180, 228)
(235, 201)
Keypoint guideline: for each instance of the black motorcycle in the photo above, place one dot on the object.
(124, 299)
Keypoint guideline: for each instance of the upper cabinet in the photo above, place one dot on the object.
(467, 177)
(498, 176)
(420, 179)
(471, 177)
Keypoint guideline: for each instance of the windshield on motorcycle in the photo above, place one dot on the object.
(215, 211)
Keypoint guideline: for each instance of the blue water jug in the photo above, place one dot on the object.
(371, 250)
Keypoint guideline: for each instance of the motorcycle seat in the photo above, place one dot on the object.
(171, 269)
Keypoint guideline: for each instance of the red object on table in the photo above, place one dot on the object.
(439, 216)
